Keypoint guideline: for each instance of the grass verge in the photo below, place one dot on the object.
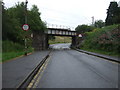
(9, 55)
(102, 52)
(12, 50)
(6, 56)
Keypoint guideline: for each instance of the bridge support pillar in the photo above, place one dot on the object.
(74, 41)
(40, 41)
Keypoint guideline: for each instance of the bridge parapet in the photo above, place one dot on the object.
(59, 26)
(60, 32)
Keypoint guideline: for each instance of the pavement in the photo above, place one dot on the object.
(15, 71)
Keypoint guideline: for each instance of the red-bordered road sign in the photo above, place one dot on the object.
(25, 27)
(80, 35)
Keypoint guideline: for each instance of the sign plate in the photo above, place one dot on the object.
(25, 27)
(79, 35)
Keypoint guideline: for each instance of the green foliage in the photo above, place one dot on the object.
(35, 22)
(14, 18)
(12, 50)
(99, 24)
(104, 39)
(84, 28)
(113, 14)
(9, 46)
(9, 55)
(12, 24)
(12, 34)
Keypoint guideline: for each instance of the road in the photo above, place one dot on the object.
(60, 46)
(71, 69)
(65, 68)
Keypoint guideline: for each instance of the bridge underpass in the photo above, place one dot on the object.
(62, 68)
(41, 40)
(59, 39)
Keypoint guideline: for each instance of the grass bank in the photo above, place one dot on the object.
(11, 50)
(103, 40)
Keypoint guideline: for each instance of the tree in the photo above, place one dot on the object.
(12, 22)
(84, 28)
(35, 22)
(99, 24)
(14, 18)
(113, 14)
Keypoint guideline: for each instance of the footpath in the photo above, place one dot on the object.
(15, 71)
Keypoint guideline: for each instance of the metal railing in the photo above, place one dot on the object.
(59, 26)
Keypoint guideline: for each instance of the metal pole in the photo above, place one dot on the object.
(93, 21)
(26, 23)
(26, 11)
(64, 39)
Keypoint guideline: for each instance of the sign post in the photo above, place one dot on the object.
(25, 27)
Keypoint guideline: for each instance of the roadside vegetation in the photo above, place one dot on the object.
(104, 40)
(103, 37)
(12, 50)
(13, 37)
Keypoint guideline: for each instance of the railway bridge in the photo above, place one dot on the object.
(40, 40)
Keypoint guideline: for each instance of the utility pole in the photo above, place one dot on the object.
(93, 21)
(26, 2)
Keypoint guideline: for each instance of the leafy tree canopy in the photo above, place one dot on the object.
(113, 14)
(34, 20)
(14, 18)
(84, 28)
(99, 24)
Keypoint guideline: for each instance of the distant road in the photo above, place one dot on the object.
(72, 69)
(60, 46)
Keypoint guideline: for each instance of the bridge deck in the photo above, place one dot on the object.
(60, 32)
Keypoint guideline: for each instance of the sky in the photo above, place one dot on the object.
(69, 13)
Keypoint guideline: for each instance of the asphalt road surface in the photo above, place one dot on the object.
(65, 68)
(71, 69)
(15, 71)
